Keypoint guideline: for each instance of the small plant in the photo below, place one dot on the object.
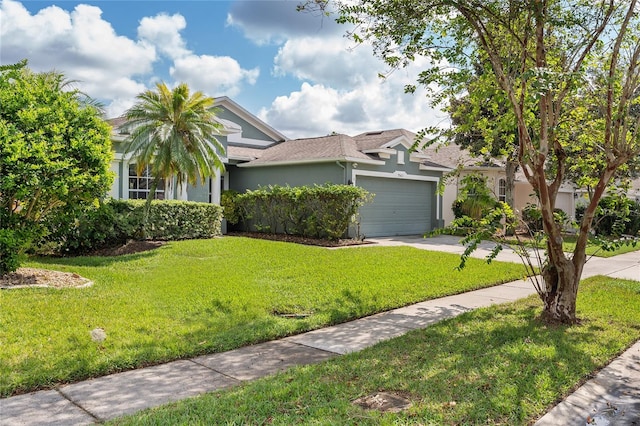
(10, 251)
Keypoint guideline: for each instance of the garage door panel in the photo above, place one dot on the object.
(400, 207)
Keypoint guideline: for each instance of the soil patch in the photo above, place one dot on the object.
(300, 240)
(131, 247)
(32, 277)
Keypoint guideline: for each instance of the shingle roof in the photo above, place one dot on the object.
(377, 139)
(332, 147)
(453, 155)
(243, 153)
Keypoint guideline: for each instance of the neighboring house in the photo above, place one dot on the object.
(405, 185)
(453, 156)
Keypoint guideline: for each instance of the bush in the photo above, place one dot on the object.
(616, 215)
(10, 251)
(181, 220)
(310, 211)
(115, 222)
(532, 217)
(476, 200)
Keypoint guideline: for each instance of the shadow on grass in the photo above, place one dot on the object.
(96, 261)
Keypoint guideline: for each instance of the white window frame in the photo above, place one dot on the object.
(502, 190)
(140, 188)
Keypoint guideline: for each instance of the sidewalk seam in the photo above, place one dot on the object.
(68, 398)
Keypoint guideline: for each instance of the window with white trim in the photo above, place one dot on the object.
(502, 190)
(139, 186)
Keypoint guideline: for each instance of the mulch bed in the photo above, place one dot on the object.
(300, 240)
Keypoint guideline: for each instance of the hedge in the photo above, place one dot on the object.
(324, 211)
(115, 222)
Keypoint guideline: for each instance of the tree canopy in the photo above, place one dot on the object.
(550, 59)
(174, 133)
(55, 151)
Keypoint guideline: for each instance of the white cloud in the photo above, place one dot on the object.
(271, 21)
(214, 75)
(317, 110)
(163, 31)
(57, 38)
(78, 43)
(331, 61)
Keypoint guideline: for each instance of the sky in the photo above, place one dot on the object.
(295, 71)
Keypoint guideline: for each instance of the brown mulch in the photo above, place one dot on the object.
(131, 247)
(32, 277)
(300, 240)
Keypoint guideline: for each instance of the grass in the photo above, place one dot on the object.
(593, 249)
(194, 297)
(500, 366)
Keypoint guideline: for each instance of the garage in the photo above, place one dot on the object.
(400, 206)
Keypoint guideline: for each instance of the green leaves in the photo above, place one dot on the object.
(55, 152)
(311, 211)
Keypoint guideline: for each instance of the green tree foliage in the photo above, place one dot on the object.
(548, 57)
(55, 153)
(475, 199)
(174, 133)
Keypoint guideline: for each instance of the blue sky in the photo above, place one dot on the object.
(295, 71)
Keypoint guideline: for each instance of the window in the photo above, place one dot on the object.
(502, 190)
(139, 185)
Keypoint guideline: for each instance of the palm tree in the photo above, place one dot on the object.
(174, 133)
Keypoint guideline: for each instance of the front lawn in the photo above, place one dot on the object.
(492, 366)
(194, 297)
(569, 244)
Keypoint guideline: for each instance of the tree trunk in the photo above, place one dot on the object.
(560, 291)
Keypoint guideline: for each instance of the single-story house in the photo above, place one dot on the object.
(405, 184)
(454, 156)
(239, 127)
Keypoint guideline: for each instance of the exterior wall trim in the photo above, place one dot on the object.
(316, 161)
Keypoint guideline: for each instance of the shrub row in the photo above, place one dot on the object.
(615, 216)
(116, 221)
(309, 211)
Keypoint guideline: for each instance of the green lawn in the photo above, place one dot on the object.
(497, 366)
(193, 297)
(593, 249)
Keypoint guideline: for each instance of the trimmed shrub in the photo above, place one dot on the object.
(310, 211)
(114, 222)
(475, 200)
(182, 220)
(10, 251)
(532, 217)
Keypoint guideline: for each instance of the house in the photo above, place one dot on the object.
(455, 157)
(405, 184)
(240, 128)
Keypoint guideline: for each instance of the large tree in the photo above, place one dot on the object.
(544, 55)
(55, 153)
(173, 132)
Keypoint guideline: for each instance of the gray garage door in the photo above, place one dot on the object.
(400, 207)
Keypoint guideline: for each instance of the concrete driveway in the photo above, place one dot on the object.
(626, 266)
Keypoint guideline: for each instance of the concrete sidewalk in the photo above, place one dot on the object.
(612, 397)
